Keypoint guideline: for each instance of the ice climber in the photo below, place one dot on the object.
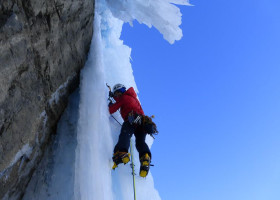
(135, 122)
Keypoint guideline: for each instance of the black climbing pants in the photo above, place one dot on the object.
(125, 135)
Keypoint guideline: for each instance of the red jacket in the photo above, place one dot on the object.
(127, 102)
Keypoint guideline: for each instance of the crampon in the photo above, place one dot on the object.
(120, 157)
(145, 161)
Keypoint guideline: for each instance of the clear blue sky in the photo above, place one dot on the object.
(216, 97)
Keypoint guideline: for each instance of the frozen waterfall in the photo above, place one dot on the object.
(80, 168)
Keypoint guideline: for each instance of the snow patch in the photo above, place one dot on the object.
(43, 116)
(25, 152)
(60, 91)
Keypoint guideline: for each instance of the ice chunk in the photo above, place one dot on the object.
(164, 15)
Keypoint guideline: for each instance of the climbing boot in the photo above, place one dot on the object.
(120, 157)
(145, 161)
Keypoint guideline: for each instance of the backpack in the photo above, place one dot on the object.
(147, 122)
(149, 126)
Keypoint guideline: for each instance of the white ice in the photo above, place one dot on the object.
(162, 14)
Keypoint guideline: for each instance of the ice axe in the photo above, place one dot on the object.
(111, 100)
(110, 93)
(108, 87)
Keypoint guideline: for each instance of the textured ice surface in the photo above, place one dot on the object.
(162, 14)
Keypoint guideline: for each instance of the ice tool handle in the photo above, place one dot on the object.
(111, 101)
(110, 98)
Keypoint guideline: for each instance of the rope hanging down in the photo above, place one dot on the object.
(132, 167)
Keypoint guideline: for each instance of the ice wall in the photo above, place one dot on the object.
(109, 62)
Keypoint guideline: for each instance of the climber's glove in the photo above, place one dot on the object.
(111, 94)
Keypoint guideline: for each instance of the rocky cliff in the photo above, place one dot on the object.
(43, 46)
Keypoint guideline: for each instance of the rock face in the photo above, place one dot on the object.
(43, 46)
